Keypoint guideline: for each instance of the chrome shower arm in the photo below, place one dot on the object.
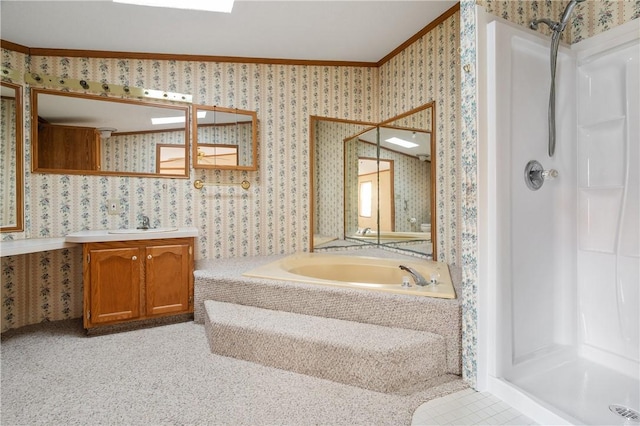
(553, 25)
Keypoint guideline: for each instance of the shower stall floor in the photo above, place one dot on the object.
(584, 390)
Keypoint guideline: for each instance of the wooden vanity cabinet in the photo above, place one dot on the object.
(67, 147)
(135, 280)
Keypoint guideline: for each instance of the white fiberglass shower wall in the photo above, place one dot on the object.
(559, 311)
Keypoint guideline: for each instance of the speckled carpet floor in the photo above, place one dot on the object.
(52, 374)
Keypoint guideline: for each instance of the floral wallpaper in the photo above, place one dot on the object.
(597, 16)
(469, 141)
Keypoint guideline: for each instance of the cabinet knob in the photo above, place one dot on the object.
(149, 257)
(134, 257)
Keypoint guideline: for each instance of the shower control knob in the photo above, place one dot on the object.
(535, 175)
(550, 174)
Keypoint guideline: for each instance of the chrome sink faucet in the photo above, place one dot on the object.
(417, 277)
(146, 224)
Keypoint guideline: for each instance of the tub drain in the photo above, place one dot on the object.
(625, 412)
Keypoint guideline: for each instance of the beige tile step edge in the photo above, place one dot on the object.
(373, 357)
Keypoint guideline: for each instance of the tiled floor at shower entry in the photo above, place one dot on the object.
(469, 407)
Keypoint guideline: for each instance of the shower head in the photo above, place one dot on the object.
(567, 12)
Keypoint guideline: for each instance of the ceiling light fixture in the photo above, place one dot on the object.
(224, 6)
(401, 142)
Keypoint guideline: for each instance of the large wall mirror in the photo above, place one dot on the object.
(83, 134)
(224, 138)
(386, 181)
(11, 148)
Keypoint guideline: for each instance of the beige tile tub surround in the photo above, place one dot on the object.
(223, 281)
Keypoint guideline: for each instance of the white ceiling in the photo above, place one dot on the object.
(360, 31)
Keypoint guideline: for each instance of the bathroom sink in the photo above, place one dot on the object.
(141, 231)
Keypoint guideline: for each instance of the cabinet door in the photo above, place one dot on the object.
(167, 279)
(115, 284)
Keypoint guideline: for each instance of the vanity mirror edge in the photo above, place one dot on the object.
(18, 226)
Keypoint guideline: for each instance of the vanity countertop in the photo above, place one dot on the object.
(32, 245)
(35, 245)
(130, 235)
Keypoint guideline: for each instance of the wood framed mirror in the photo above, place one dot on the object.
(76, 133)
(402, 212)
(224, 138)
(11, 157)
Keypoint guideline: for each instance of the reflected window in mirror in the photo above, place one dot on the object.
(379, 175)
(84, 134)
(224, 138)
(11, 157)
(217, 154)
(366, 200)
(170, 159)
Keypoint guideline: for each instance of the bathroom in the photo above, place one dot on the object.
(272, 216)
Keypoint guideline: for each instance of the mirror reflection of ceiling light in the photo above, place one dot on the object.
(224, 6)
(401, 142)
(105, 132)
(177, 119)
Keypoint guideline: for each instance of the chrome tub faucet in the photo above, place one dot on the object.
(417, 277)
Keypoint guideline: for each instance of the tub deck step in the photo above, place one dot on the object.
(374, 357)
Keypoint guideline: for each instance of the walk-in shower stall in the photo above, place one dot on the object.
(559, 300)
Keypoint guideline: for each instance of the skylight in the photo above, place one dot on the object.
(177, 119)
(401, 142)
(208, 5)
